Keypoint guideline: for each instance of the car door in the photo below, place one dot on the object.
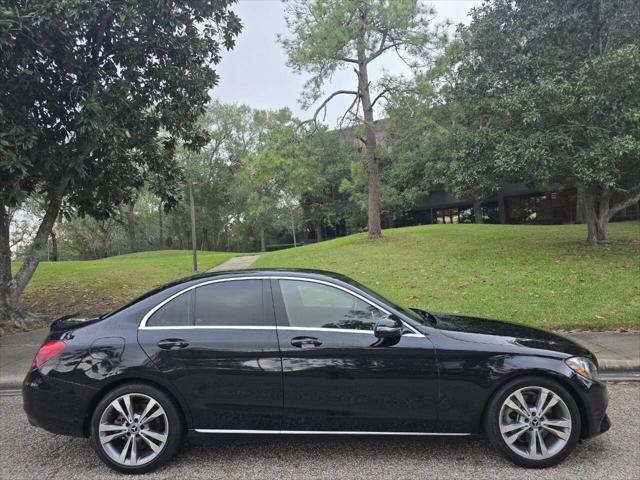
(338, 376)
(217, 343)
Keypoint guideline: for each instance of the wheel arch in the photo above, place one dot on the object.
(551, 375)
(181, 406)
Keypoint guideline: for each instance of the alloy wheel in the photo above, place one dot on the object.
(535, 422)
(133, 429)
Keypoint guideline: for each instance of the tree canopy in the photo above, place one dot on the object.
(555, 88)
(95, 97)
(542, 93)
(331, 35)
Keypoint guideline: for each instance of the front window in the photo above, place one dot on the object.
(314, 305)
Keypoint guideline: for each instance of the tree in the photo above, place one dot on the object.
(332, 35)
(274, 173)
(558, 85)
(327, 163)
(422, 126)
(95, 96)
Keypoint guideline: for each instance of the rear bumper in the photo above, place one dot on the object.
(55, 405)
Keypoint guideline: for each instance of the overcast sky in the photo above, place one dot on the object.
(255, 71)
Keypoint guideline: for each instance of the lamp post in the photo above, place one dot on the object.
(193, 228)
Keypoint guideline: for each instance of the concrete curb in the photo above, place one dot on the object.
(11, 383)
(616, 365)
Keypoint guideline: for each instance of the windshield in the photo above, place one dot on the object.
(408, 312)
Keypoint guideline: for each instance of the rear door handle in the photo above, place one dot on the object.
(172, 343)
(305, 342)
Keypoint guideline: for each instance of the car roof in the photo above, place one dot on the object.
(294, 272)
(290, 272)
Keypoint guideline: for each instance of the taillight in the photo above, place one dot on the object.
(48, 350)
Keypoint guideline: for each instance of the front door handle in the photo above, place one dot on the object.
(305, 342)
(172, 343)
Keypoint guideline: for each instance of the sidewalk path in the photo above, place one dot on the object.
(16, 354)
(617, 352)
(235, 263)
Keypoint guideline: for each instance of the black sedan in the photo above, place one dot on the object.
(306, 352)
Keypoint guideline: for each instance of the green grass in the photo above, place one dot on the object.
(538, 275)
(97, 286)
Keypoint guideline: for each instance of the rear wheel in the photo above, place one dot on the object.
(533, 421)
(136, 428)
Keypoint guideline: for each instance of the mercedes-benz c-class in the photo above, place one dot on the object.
(306, 352)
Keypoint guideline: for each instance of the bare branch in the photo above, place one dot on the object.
(350, 111)
(383, 49)
(383, 93)
(345, 59)
(323, 105)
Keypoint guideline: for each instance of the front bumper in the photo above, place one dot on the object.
(595, 400)
(55, 405)
(605, 424)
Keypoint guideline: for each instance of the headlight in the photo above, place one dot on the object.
(583, 366)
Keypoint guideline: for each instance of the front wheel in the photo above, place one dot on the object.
(533, 421)
(135, 428)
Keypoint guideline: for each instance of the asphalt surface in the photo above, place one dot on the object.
(30, 453)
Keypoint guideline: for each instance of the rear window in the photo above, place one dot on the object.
(174, 313)
(232, 303)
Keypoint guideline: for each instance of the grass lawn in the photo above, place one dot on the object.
(97, 286)
(538, 275)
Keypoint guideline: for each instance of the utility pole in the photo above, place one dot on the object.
(161, 225)
(193, 228)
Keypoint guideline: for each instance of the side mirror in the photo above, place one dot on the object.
(388, 327)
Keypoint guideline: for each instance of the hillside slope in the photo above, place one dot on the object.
(97, 286)
(539, 275)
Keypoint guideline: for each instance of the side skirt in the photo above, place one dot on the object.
(329, 432)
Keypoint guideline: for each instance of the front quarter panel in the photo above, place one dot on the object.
(472, 367)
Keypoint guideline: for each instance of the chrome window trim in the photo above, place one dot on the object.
(143, 323)
(327, 432)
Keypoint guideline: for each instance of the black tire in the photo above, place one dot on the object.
(492, 421)
(174, 419)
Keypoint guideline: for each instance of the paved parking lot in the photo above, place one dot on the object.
(27, 452)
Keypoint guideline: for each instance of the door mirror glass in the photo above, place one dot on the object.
(388, 326)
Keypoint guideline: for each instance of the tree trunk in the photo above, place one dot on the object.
(373, 168)
(131, 226)
(317, 226)
(263, 242)
(54, 246)
(596, 228)
(597, 214)
(599, 209)
(6, 277)
(161, 225)
(502, 210)
(580, 204)
(11, 288)
(477, 210)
